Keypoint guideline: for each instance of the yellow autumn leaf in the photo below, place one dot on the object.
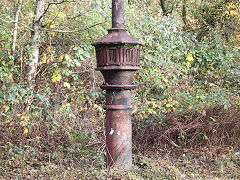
(190, 56)
(10, 76)
(231, 6)
(211, 84)
(25, 131)
(168, 105)
(44, 58)
(59, 20)
(52, 26)
(57, 71)
(53, 33)
(59, 77)
(67, 57)
(174, 102)
(189, 63)
(61, 15)
(61, 57)
(48, 23)
(56, 77)
(133, 112)
(27, 118)
(66, 84)
(6, 108)
(234, 13)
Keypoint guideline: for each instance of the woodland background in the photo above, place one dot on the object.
(186, 115)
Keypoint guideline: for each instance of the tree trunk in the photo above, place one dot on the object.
(35, 44)
(164, 8)
(15, 32)
(184, 12)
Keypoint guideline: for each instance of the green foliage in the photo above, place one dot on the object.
(215, 15)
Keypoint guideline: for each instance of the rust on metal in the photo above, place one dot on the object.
(118, 55)
(118, 98)
(119, 138)
(111, 56)
(116, 36)
(117, 50)
(115, 86)
(118, 77)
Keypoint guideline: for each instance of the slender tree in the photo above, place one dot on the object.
(35, 44)
(15, 32)
(164, 8)
(184, 12)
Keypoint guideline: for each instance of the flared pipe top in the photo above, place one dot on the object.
(117, 13)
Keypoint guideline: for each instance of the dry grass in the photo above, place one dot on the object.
(204, 163)
(216, 127)
(209, 150)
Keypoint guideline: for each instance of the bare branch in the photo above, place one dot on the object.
(49, 4)
(10, 22)
(71, 31)
(53, 30)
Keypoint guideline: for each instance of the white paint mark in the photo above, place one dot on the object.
(118, 133)
(112, 131)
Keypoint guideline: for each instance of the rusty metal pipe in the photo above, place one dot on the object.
(119, 128)
(118, 119)
(118, 56)
(117, 13)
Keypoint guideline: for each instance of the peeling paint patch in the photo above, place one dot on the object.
(118, 133)
(112, 131)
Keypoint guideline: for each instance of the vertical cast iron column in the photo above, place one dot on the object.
(118, 119)
(118, 58)
(117, 13)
